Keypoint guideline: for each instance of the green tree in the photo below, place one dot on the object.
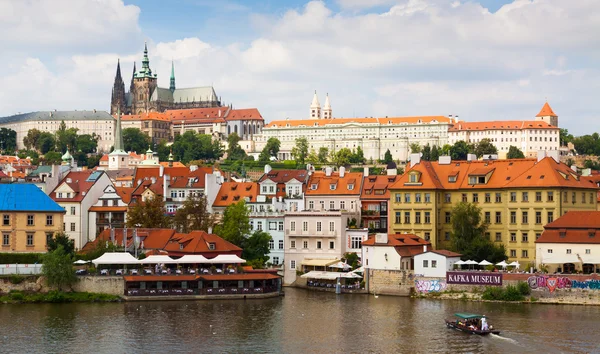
(565, 137)
(435, 154)
(459, 150)
(57, 267)
(426, 153)
(31, 139)
(468, 235)
(312, 157)
(163, 150)
(342, 157)
(235, 224)
(149, 214)
(93, 161)
(485, 147)
(191, 146)
(270, 150)
(87, 143)
(415, 148)
(514, 153)
(61, 239)
(445, 150)
(387, 158)
(351, 259)
(234, 150)
(45, 142)
(66, 139)
(256, 249)
(300, 151)
(194, 215)
(8, 140)
(322, 155)
(52, 158)
(358, 156)
(135, 140)
(594, 165)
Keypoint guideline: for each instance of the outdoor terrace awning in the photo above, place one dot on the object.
(192, 259)
(318, 262)
(116, 258)
(315, 274)
(225, 259)
(158, 259)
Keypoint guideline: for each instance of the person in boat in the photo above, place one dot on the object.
(484, 324)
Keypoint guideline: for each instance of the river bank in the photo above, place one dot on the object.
(21, 297)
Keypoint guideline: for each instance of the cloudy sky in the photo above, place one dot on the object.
(479, 59)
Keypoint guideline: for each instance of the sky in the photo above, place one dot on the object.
(480, 59)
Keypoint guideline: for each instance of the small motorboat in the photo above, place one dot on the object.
(471, 323)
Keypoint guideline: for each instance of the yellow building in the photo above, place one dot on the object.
(29, 218)
(517, 197)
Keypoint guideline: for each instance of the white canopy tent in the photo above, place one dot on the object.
(340, 265)
(514, 264)
(460, 262)
(158, 259)
(351, 275)
(359, 270)
(318, 274)
(503, 264)
(192, 259)
(116, 258)
(81, 262)
(485, 263)
(225, 259)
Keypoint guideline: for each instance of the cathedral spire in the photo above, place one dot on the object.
(146, 71)
(315, 107)
(172, 84)
(118, 133)
(118, 91)
(327, 108)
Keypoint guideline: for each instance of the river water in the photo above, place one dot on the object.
(301, 322)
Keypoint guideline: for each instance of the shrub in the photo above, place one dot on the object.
(56, 297)
(492, 293)
(17, 296)
(512, 293)
(523, 288)
(20, 258)
(16, 278)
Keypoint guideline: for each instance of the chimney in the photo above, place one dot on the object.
(139, 181)
(165, 186)
(328, 171)
(153, 179)
(342, 171)
(210, 229)
(366, 171)
(414, 159)
(541, 155)
(381, 238)
(424, 248)
(444, 160)
(193, 168)
(161, 171)
(267, 168)
(471, 157)
(574, 168)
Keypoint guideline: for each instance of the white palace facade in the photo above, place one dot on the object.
(373, 135)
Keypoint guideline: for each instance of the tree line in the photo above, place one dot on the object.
(460, 150)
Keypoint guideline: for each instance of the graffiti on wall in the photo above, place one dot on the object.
(551, 283)
(430, 286)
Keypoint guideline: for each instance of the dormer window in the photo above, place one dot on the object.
(350, 187)
(413, 178)
(332, 186)
(452, 179)
(181, 246)
(313, 187)
(211, 246)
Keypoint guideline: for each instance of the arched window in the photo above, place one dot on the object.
(228, 129)
(235, 129)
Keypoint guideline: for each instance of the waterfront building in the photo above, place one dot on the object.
(29, 218)
(435, 263)
(570, 244)
(329, 190)
(517, 198)
(530, 136)
(110, 211)
(392, 251)
(375, 199)
(373, 135)
(234, 192)
(76, 193)
(95, 122)
(145, 96)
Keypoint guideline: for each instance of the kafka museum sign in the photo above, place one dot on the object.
(474, 278)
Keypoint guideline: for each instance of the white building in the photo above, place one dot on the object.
(373, 135)
(77, 192)
(110, 211)
(87, 122)
(541, 134)
(435, 263)
(392, 252)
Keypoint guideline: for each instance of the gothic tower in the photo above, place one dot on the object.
(172, 81)
(547, 115)
(315, 108)
(117, 101)
(327, 108)
(144, 82)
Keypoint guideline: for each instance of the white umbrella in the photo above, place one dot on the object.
(471, 262)
(350, 275)
(485, 263)
(340, 265)
(514, 264)
(503, 264)
(460, 262)
(81, 261)
(359, 270)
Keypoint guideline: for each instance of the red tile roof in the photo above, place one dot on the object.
(145, 116)
(284, 176)
(341, 121)
(546, 111)
(324, 183)
(233, 192)
(406, 245)
(148, 172)
(244, 114)
(500, 125)
(573, 227)
(77, 181)
(197, 177)
(577, 220)
(209, 115)
(197, 242)
(446, 253)
(125, 193)
(376, 187)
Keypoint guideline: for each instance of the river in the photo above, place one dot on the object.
(300, 322)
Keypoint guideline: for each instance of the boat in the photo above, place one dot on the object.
(471, 323)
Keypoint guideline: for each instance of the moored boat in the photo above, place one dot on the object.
(471, 323)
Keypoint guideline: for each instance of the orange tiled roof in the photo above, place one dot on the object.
(78, 184)
(406, 245)
(500, 125)
(373, 185)
(216, 114)
(577, 220)
(546, 111)
(320, 184)
(573, 227)
(153, 238)
(197, 242)
(244, 114)
(148, 173)
(284, 176)
(233, 192)
(197, 177)
(340, 121)
(513, 173)
(125, 193)
(145, 116)
(175, 164)
(446, 253)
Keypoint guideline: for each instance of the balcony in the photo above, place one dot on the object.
(370, 213)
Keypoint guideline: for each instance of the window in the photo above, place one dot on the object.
(407, 197)
(433, 264)
(5, 239)
(464, 197)
(398, 197)
(275, 260)
(271, 244)
(498, 217)
(447, 198)
(549, 250)
(331, 245)
(72, 210)
(427, 197)
(398, 216)
(280, 226)
(356, 242)
(583, 197)
(475, 198)
(488, 197)
(566, 197)
(72, 226)
(537, 235)
(513, 237)
(259, 225)
(331, 205)
(292, 264)
(550, 196)
(319, 245)
(591, 198)
(427, 236)
(513, 253)
(272, 226)
(311, 205)
(525, 217)
(319, 226)
(407, 217)
(513, 196)
(413, 178)
(588, 251)
(498, 237)
(538, 196)
(331, 226)
(550, 217)
(417, 217)
(29, 220)
(342, 205)
(488, 236)
(280, 244)
(538, 217)
(305, 226)
(428, 217)
(305, 244)
(524, 254)
(488, 217)
(525, 196)
(292, 244)
(293, 226)
(417, 197)
(513, 217)
(447, 216)
(425, 263)
(568, 251)
(5, 220)
(350, 187)
(29, 239)
(447, 236)
(524, 237)
(574, 198)
(498, 197)
(49, 220)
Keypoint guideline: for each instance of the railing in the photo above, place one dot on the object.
(204, 291)
(370, 212)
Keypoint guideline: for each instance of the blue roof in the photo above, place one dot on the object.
(26, 197)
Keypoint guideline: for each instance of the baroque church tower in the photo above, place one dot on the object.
(118, 100)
